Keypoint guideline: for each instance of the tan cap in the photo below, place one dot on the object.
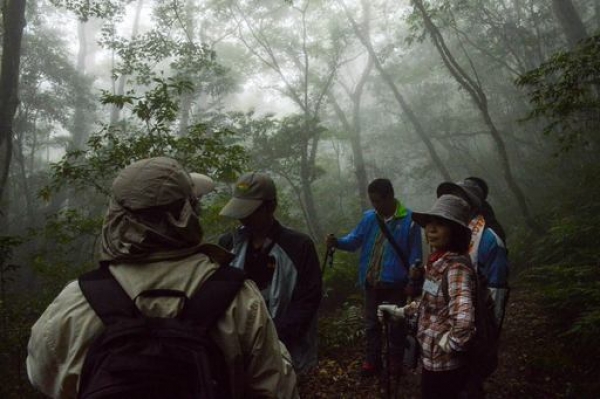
(249, 192)
(202, 184)
(151, 182)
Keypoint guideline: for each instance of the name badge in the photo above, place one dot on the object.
(431, 287)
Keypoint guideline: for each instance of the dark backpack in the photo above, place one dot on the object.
(137, 356)
(482, 353)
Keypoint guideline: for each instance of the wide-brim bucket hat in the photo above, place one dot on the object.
(449, 207)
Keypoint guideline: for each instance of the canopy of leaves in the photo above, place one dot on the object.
(86, 9)
(565, 92)
(203, 149)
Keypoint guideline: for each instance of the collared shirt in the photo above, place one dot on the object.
(437, 317)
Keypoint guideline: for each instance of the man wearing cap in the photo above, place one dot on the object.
(282, 262)
(487, 250)
(384, 266)
(151, 238)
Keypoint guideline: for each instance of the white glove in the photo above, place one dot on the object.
(444, 342)
(411, 307)
(395, 312)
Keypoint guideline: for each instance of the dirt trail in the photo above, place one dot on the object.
(521, 374)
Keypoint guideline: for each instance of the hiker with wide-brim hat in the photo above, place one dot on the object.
(445, 327)
(487, 249)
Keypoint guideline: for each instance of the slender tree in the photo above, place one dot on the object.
(119, 87)
(306, 66)
(404, 106)
(479, 97)
(570, 21)
(353, 126)
(13, 22)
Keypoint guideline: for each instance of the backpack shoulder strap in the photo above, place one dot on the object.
(393, 243)
(444, 282)
(213, 297)
(106, 296)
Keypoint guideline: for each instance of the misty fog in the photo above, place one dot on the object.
(324, 95)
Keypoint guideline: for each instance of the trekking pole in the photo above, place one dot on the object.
(386, 334)
(400, 369)
(328, 259)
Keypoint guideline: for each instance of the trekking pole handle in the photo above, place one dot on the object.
(329, 250)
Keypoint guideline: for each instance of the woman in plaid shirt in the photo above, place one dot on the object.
(444, 327)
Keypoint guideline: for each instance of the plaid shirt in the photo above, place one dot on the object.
(436, 316)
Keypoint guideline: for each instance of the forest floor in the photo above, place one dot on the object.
(531, 365)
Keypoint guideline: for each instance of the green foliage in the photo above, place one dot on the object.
(14, 315)
(15, 323)
(68, 248)
(340, 281)
(279, 145)
(564, 91)
(204, 149)
(341, 330)
(171, 46)
(86, 9)
(563, 263)
(7, 246)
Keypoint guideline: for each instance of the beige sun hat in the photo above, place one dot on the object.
(151, 182)
(249, 192)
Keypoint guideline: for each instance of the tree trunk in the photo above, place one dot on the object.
(19, 186)
(13, 16)
(187, 97)
(309, 100)
(473, 87)
(406, 109)
(79, 131)
(115, 112)
(314, 226)
(359, 161)
(569, 20)
(355, 142)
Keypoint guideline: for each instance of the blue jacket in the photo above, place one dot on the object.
(406, 233)
(492, 259)
(492, 262)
